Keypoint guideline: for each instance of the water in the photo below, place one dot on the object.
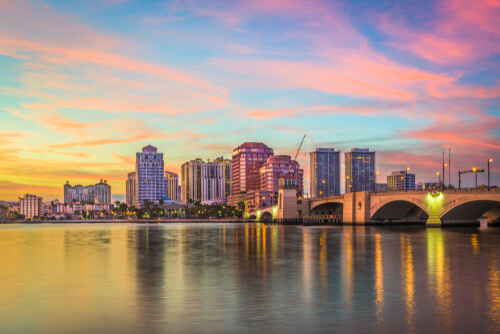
(247, 278)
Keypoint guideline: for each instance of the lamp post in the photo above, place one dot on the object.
(444, 165)
(323, 186)
(475, 173)
(439, 178)
(489, 160)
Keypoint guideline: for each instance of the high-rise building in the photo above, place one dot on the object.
(400, 180)
(248, 158)
(359, 170)
(99, 192)
(150, 181)
(277, 166)
(172, 183)
(31, 206)
(325, 172)
(205, 181)
(130, 188)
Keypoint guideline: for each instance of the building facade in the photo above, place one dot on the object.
(400, 181)
(172, 183)
(205, 182)
(130, 187)
(149, 176)
(277, 166)
(31, 206)
(247, 160)
(100, 192)
(359, 170)
(325, 172)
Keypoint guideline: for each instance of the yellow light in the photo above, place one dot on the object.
(377, 172)
(474, 169)
(323, 181)
(347, 176)
(438, 173)
(407, 168)
(490, 160)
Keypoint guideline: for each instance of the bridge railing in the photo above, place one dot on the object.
(445, 191)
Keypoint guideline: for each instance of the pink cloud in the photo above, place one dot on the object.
(462, 32)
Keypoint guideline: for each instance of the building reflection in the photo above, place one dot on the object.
(348, 266)
(474, 240)
(379, 280)
(323, 261)
(494, 293)
(439, 277)
(408, 278)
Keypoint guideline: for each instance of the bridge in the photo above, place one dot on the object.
(447, 207)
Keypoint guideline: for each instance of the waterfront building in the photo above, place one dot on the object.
(171, 186)
(205, 182)
(400, 181)
(149, 176)
(31, 206)
(261, 199)
(325, 172)
(247, 160)
(277, 166)
(380, 187)
(130, 188)
(359, 170)
(100, 192)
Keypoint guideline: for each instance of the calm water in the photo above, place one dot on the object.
(236, 278)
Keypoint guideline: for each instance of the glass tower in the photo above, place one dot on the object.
(359, 170)
(325, 172)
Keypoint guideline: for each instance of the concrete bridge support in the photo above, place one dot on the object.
(356, 208)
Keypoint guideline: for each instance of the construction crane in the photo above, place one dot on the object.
(302, 142)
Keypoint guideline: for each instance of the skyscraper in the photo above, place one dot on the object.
(248, 158)
(325, 172)
(130, 188)
(172, 182)
(359, 170)
(150, 182)
(400, 181)
(205, 181)
(279, 165)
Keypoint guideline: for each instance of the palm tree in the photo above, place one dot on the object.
(123, 209)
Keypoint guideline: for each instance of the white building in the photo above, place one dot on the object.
(149, 178)
(31, 206)
(206, 182)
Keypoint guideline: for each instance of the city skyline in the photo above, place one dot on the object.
(85, 85)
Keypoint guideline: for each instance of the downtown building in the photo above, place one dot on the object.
(206, 182)
(325, 172)
(171, 185)
(400, 181)
(247, 160)
(99, 193)
(148, 179)
(275, 167)
(130, 187)
(359, 170)
(31, 206)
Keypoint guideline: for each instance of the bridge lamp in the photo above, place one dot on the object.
(489, 160)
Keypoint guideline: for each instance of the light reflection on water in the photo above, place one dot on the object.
(201, 278)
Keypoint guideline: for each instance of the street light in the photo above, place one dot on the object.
(439, 177)
(489, 160)
(475, 173)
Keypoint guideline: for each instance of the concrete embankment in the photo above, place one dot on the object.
(135, 221)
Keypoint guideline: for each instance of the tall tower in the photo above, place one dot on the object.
(248, 158)
(359, 170)
(149, 174)
(325, 172)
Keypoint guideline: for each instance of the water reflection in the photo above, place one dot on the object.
(379, 280)
(213, 278)
(408, 273)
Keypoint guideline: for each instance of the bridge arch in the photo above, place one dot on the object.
(266, 215)
(327, 208)
(399, 210)
(469, 210)
(252, 216)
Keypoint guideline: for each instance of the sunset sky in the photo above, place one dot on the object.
(86, 84)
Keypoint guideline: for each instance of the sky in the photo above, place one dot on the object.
(84, 85)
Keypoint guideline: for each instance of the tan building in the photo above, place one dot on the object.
(171, 185)
(30, 206)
